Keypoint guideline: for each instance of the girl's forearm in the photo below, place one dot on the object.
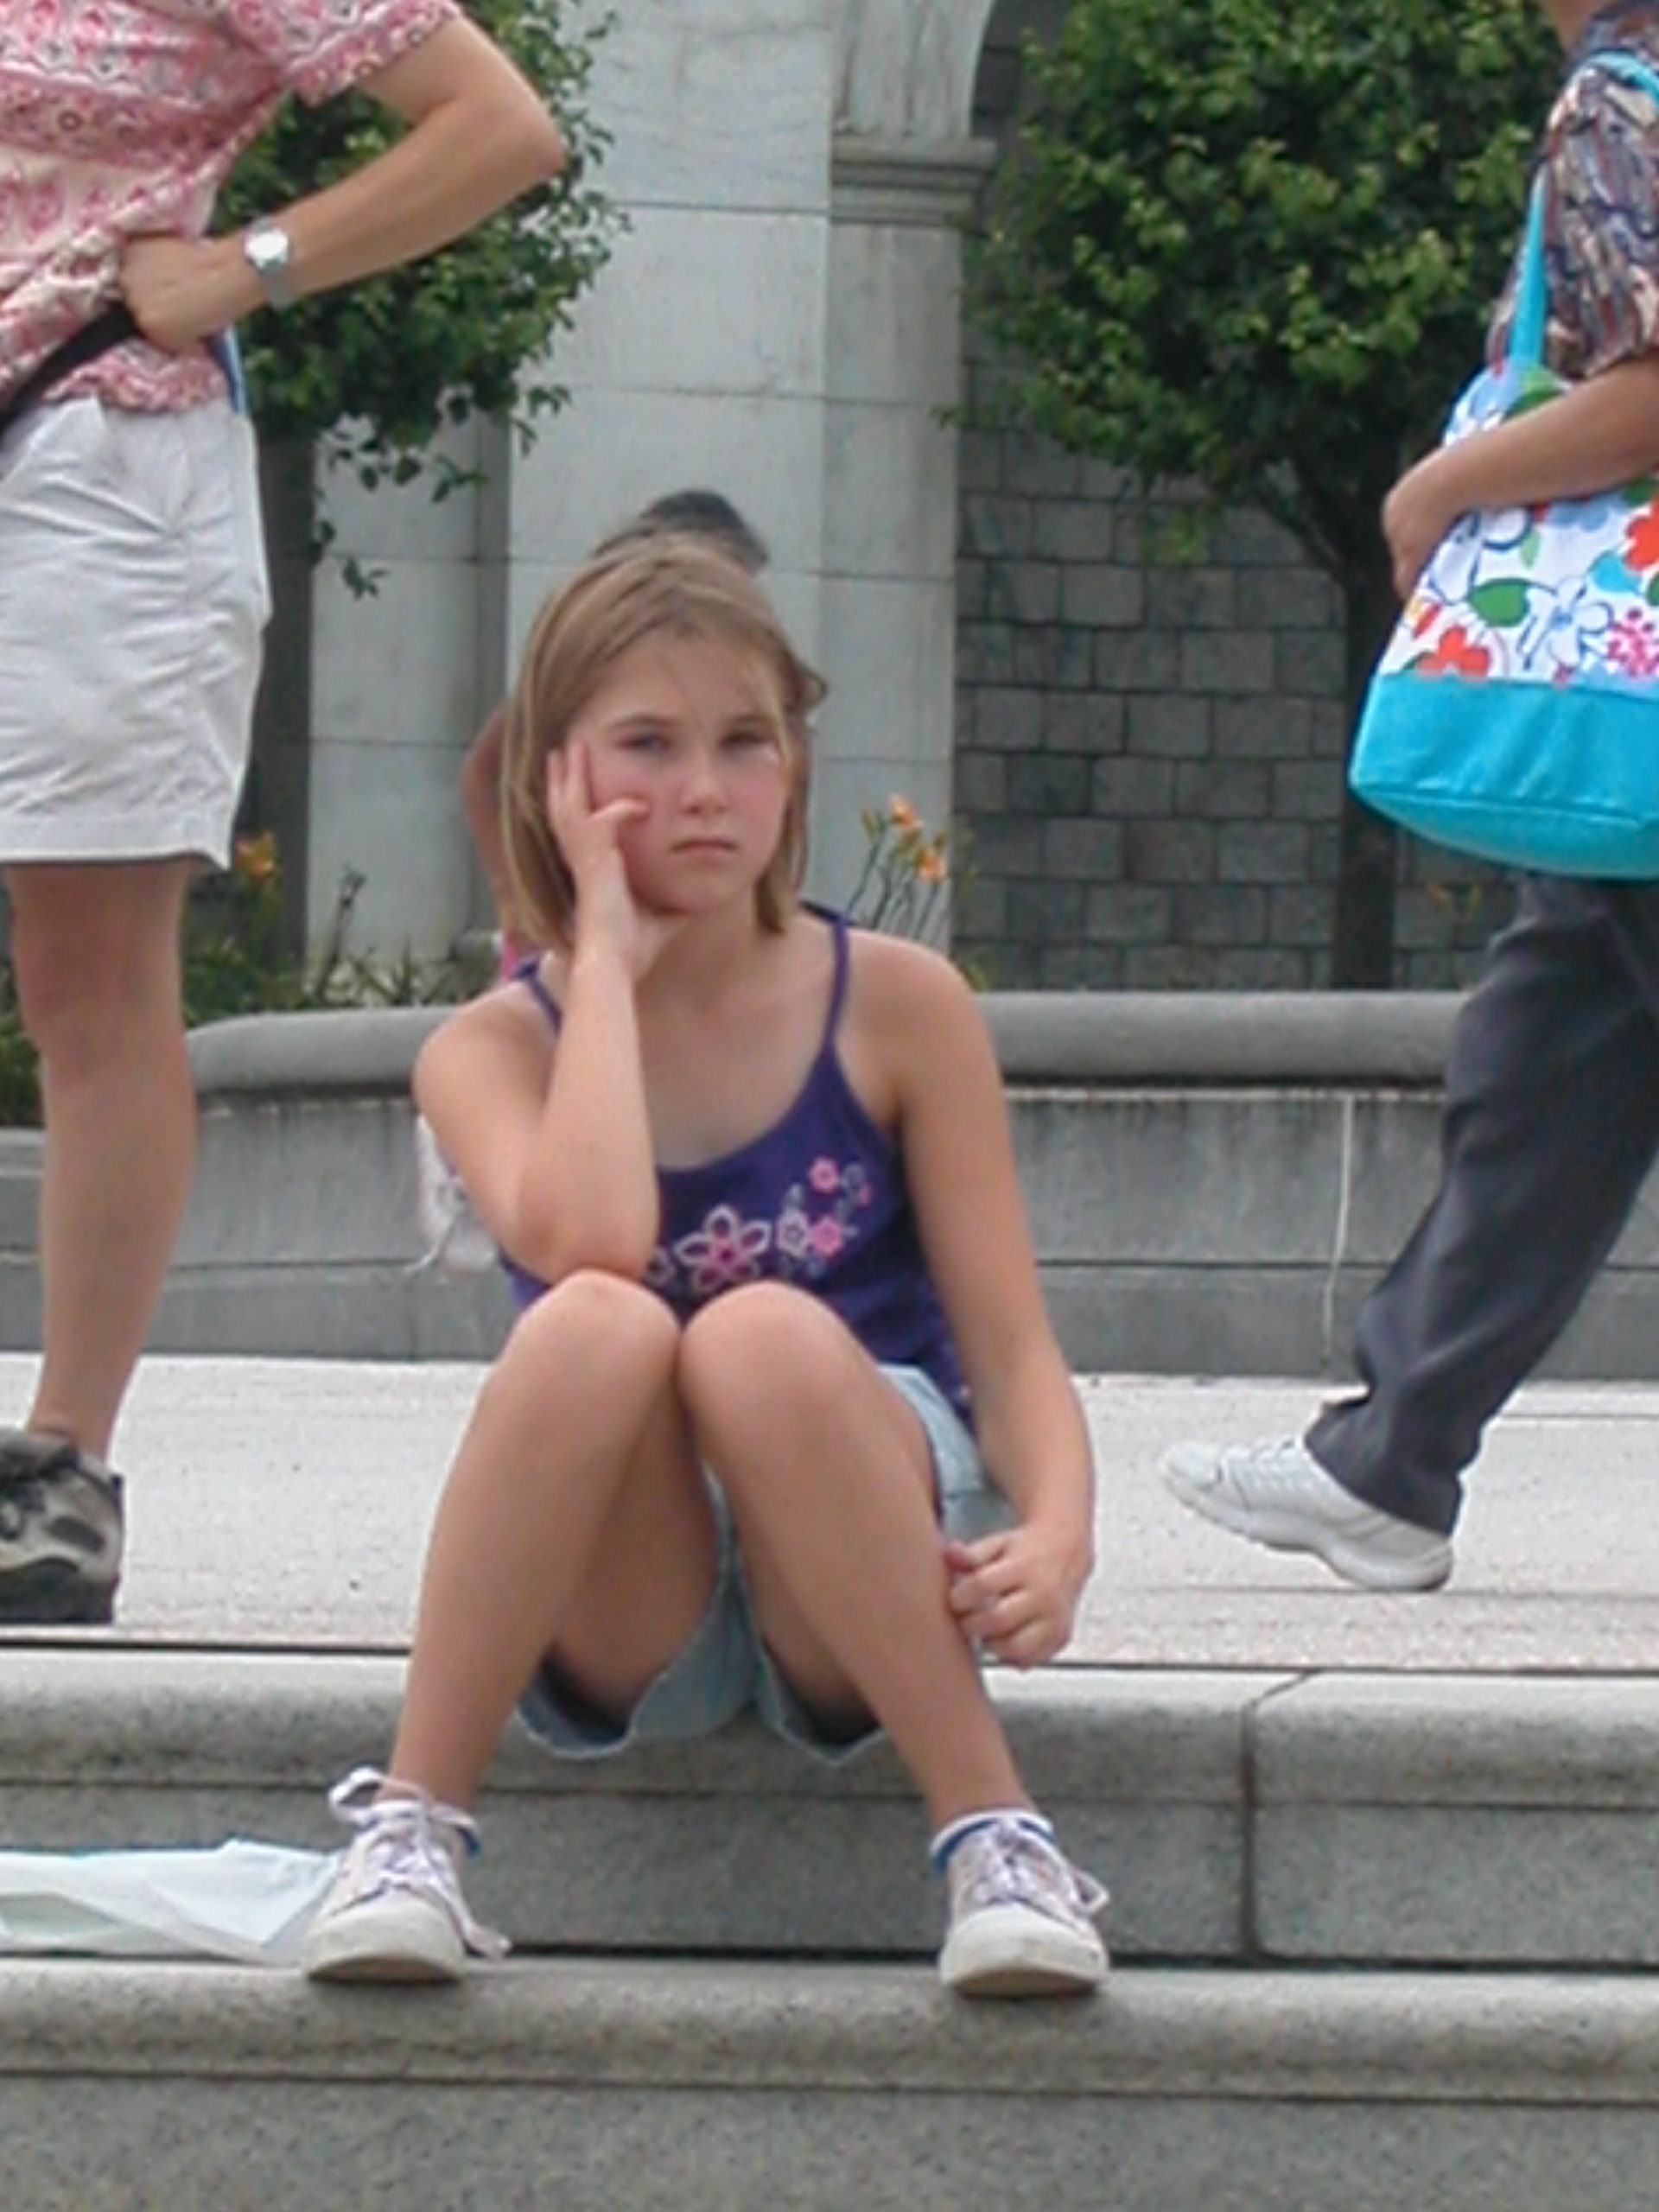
(588, 1197)
(1036, 1444)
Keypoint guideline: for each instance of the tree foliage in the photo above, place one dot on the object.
(1253, 244)
(383, 365)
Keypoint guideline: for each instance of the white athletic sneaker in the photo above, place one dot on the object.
(1276, 1493)
(395, 1912)
(1021, 1915)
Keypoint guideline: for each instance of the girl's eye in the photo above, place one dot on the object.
(643, 741)
(748, 736)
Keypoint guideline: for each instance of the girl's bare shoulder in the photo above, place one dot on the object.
(898, 981)
(911, 1018)
(507, 1022)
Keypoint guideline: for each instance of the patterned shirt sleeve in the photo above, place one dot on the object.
(321, 48)
(1602, 224)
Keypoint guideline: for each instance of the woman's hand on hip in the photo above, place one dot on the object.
(183, 291)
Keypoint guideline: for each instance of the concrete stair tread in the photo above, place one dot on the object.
(1373, 2037)
(1244, 1817)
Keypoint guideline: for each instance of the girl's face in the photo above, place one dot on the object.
(690, 728)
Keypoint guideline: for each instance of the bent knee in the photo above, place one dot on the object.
(602, 1320)
(765, 1334)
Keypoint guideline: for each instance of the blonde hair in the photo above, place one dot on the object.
(670, 584)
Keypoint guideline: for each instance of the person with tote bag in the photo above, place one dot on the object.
(1552, 1108)
(133, 598)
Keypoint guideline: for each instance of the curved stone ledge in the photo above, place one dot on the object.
(1214, 1181)
(1223, 1039)
(1210, 1039)
(368, 1051)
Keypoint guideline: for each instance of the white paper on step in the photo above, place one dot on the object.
(246, 1902)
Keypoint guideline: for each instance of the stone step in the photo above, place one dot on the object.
(634, 2086)
(1246, 1818)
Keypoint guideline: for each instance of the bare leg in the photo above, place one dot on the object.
(575, 1523)
(831, 1487)
(97, 953)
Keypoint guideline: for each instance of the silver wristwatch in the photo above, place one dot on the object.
(269, 252)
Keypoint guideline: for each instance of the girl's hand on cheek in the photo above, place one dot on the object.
(607, 912)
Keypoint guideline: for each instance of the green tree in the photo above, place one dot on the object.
(380, 367)
(1253, 243)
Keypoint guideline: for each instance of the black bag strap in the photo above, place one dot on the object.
(113, 328)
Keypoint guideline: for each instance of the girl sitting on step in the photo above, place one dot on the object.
(783, 1425)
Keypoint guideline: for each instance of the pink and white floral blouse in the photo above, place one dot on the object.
(121, 117)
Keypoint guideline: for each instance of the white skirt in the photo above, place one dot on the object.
(133, 601)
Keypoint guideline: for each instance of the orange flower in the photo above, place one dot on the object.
(902, 814)
(255, 859)
(929, 868)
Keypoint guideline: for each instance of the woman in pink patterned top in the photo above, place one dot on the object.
(133, 599)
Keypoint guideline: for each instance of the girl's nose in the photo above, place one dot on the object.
(703, 784)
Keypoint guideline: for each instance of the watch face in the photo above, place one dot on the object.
(268, 252)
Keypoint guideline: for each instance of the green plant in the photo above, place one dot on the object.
(379, 368)
(1251, 244)
(901, 886)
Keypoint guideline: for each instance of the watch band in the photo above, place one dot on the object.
(268, 251)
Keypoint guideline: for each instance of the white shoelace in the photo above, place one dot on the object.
(1009, 1862)
(409, 1841)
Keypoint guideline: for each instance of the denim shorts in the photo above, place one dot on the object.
(725, 1668)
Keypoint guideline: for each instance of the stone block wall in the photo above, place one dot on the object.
(1150, 727)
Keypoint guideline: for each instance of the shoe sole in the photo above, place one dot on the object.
(53, 1594)
(998, 1958)
(384, 1971)
(1428, 1572)
(396, 1947)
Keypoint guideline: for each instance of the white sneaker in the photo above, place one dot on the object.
(1021, 1915)
(395, 1912)
(1278, 1495)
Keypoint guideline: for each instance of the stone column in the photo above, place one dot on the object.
(699, 359)
(890, 510)
(396, 694)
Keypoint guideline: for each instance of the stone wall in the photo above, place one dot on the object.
(1149, 741)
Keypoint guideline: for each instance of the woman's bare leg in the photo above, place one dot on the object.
(96, 949)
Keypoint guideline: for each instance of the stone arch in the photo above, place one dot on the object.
(906, 69)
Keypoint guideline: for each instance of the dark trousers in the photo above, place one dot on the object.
(1551, 1123)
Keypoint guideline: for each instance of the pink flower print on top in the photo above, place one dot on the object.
(727, 1249)
(827, 1237)
(824, 1176)
(1633, 646)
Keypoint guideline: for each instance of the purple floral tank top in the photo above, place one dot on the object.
(818, 1200)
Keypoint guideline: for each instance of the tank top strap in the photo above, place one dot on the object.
(842, 973)
(529, 973)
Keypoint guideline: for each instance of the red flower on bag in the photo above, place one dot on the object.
(1456, 653)
(1642, 539)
